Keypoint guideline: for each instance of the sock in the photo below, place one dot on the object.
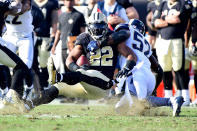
(168, 93)
(185, 94)
(167, 80)
(179, 77)
(158, 101)
(17, 82)
(178, 93)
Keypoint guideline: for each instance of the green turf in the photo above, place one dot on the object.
(97, 118)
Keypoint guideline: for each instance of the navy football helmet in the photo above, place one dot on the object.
(138, 25)
(97, 26)
(121, 26)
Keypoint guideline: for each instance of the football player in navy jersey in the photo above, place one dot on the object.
(152, 32)
(171, 18)
(7, 57)
(101, 47)
(192, 47)
(45, 37)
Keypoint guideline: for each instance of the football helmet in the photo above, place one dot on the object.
(138, 25)
(97, 26)
(121, 26)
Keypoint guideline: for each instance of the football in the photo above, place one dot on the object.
(82, 60)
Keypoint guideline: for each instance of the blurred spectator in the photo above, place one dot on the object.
(70, 23)
(172, 18)
(90, 7)
(192, 45)
(115, 12)
(152, 32)
(38, 17)
(45, 35)
(130, 9)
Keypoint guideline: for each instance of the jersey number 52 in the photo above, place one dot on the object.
(142, 41)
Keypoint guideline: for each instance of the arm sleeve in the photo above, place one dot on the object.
(80, 39)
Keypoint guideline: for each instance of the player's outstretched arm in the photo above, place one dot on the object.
(131, 59)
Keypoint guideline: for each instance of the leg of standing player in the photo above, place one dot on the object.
(163, 51)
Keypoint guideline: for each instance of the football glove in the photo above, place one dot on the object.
(85, 67)
(93, 46)
(194, 50)
(126, 70)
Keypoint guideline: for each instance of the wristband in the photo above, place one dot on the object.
(130, 64)
(73, 66)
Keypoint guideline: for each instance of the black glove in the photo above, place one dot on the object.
(194, 50)
(85, 67)
(93, 46)
(128, 67)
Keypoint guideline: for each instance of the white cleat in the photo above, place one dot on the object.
(12, 100)
(176, 105)
(51, 71)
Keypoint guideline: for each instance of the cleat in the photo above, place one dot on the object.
(51, 71)
(176, 105)
(28, 104)
(12, 100)
(194, 103)
(3, 93)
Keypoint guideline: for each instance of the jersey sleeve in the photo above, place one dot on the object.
(81, 39)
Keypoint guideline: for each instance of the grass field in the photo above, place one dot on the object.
(97, 118)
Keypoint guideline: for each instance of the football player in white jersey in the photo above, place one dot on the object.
(19, 33)
(19, 37)
(140, 80)
(10, 59)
